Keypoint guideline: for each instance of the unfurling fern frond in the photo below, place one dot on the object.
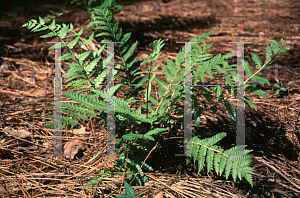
(234, 160)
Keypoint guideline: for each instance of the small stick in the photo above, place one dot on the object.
(2, 119)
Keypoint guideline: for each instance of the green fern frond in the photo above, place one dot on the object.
(77, 108)
(234, 160)
(132, 136)
(52, 125)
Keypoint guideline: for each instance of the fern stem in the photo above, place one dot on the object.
(262, 66)
(124, 170)
(148, 88)
(146, 159)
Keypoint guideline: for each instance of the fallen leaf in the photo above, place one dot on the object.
(80, 131)
(22, 133)
(72, 147)
(159, 195)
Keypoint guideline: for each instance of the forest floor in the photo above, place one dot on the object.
(26, 94)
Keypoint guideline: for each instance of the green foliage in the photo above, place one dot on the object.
(234, 160)
(140, 122)
(129, 192)
(280, 87)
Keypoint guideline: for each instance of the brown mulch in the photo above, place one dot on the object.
(28, 167)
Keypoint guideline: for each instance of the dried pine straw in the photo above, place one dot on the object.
(29, 169)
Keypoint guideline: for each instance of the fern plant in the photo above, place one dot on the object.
(234, 160)
(140, 122)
